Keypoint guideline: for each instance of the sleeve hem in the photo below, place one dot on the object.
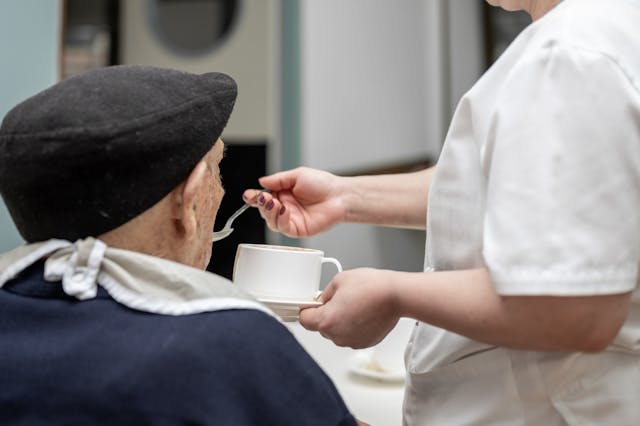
(507, 284)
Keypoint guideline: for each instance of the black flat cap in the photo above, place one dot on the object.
(97, 149)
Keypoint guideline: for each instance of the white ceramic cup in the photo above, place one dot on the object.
(279, 272)
(388, 355)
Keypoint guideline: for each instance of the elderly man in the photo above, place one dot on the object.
(106, 316)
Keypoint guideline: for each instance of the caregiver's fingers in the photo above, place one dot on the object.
(328, 292)
(276, 215)
(279, 181)
(327, 321)
(250, 196)
(272, 211)
(311, 318)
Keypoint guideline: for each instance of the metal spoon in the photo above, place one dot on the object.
(227, 229)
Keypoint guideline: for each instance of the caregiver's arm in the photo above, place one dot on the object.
(306, 201)
(465, 302)
(398, 200)
(362, 304)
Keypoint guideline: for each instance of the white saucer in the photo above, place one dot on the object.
(288, 310)
(362, 364)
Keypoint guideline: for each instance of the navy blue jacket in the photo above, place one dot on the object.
(70, 362)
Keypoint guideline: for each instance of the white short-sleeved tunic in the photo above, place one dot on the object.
(539, 180)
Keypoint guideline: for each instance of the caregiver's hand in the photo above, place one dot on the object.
(359, 310)
(302, 201)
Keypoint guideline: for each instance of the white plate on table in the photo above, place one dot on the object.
(288, 310)
(362, 364)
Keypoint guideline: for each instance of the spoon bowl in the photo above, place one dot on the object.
(227, 229)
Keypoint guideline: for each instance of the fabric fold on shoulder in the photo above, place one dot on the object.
(138, 281)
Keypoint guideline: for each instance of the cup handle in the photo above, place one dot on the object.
(329, 260)
(334, 261)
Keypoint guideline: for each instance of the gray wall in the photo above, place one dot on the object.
(29, 42)
(378, 85)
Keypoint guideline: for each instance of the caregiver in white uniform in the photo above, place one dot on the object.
(528, 310)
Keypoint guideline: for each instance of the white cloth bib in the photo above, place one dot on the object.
(141, 282)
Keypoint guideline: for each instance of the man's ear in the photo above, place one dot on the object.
(186, 198)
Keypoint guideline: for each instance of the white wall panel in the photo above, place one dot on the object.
(363, 84)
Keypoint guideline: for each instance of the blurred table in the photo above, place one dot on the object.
(376, 402)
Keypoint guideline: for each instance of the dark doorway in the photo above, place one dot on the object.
(241, 167)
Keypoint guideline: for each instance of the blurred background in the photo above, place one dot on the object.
(352, 87)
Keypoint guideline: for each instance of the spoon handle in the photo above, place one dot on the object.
(235, 215)
(241, 210)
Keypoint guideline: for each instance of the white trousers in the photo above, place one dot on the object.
(509, 387)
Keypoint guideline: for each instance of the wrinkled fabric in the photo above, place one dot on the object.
(70, 362)
(141, 282)
(539, 182)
